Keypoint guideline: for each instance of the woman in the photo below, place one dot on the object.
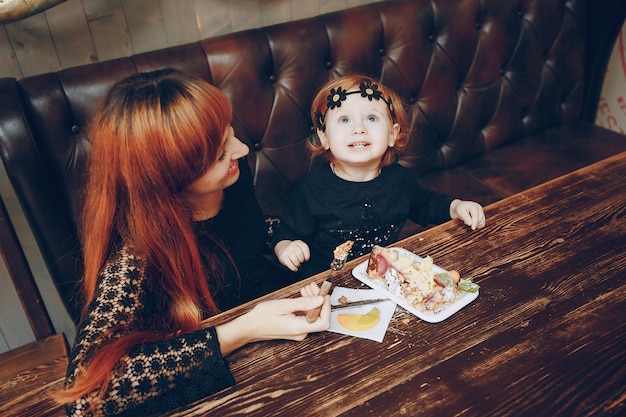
(164, 166)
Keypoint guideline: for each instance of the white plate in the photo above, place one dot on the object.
(463, 298)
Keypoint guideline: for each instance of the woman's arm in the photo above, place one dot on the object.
(275, 319)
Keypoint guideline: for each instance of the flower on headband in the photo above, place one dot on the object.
(370, 90)
(336, 97)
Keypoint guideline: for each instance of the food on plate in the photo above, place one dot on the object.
(359, 322)
(415, 281)
(343, 300)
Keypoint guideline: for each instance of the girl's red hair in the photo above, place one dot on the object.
(154, 134)
(351, 83)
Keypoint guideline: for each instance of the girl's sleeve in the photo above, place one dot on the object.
(151, 377)
(427, 206)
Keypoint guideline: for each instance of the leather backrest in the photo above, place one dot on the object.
(474, 74)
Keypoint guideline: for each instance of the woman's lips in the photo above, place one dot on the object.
(234, 168)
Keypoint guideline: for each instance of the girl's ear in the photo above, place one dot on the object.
(323, 138)
(393, 134)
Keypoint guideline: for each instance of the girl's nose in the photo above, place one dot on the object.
(358, 129)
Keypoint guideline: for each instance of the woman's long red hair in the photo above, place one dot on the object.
(154, 135)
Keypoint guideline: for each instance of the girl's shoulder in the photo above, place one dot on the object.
(396, 170)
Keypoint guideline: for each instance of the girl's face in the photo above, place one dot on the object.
(225, 170)
(359, 132)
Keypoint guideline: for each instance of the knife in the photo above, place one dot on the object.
(357, 303)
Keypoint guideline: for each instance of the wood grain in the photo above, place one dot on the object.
(544, 337)
(28, 374)
(83, 32)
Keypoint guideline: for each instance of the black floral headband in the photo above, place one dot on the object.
(336, 96)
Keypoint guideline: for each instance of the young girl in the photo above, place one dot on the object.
(362, 193)
(165, 201)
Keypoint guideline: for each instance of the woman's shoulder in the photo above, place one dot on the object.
(124, 265)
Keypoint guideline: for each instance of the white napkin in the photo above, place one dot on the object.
(386, 308)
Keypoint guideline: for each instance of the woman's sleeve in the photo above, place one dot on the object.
(151, 377)
(296, 221)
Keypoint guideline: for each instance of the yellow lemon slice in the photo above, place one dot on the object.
(359, 322)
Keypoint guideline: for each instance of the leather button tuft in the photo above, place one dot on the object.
(329, 64)
(257, 146)
(382, 52)
(76, 129)
(431, 38)
(272, 79)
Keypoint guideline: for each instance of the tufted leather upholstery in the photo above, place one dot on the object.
(501, 94)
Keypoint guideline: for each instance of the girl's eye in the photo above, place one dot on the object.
(343, 120)
(371, 118)
(222, 156)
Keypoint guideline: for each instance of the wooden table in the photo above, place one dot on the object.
(545, 337)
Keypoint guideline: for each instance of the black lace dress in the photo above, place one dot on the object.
(160, 376)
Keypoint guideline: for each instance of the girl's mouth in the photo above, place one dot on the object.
(358, 145)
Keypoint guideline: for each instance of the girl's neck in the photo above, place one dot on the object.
(354, 174)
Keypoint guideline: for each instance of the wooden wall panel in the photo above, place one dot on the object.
(245, 14)
(79, 32)
(70, 34)
(213, 18)
(33, 45)
(9, 67)
(145, 24)
(107, 24)
(179, 19)
(275, 11)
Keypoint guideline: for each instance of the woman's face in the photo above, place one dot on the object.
(225, 170)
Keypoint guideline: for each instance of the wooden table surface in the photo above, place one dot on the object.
(545, 337)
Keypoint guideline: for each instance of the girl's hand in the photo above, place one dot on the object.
(275, 319)
(291, 253)
(471, 213)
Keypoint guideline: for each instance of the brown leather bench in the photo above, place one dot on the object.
(502, 95)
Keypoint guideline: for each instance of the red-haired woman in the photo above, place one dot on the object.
(169, 239)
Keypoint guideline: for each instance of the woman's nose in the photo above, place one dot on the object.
(241, 149)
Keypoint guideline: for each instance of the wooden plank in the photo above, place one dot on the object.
(107, 25)
(28, 374)
(550, 264)
(213, 18)
(145, 24)
(9, 66)
(303, 9)
(245, 14)
(33, 45)
(70, 33)
(327, 6)
(22, 277)
(275, 11)
(179, 20)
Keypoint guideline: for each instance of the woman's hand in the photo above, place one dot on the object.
(471, 213)
(291, 253)
(275, 319)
